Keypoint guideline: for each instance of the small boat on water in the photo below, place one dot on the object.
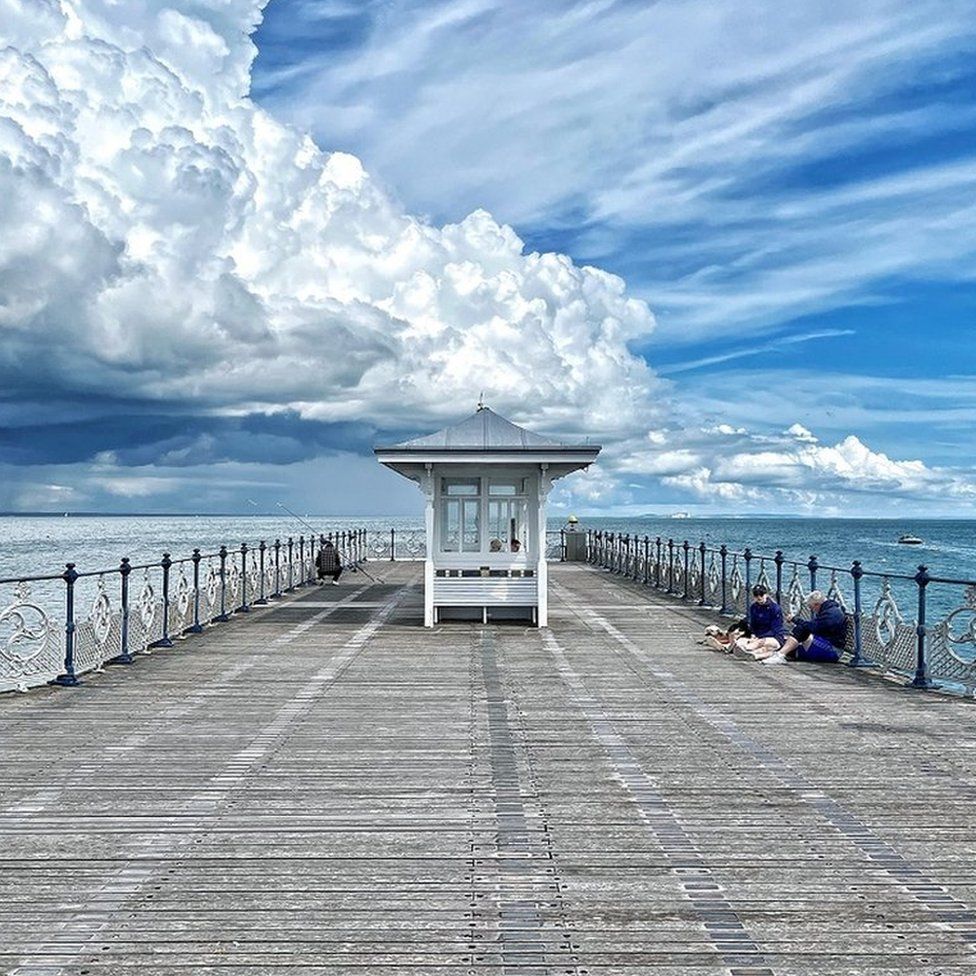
(910, 540)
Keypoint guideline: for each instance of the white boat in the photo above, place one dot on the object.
(910, 540)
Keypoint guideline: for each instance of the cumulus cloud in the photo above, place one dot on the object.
(169, 240)
(788, 471)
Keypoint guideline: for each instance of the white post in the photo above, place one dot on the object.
(427, 486)
(542, 569)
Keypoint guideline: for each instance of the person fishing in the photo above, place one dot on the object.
(328, 562)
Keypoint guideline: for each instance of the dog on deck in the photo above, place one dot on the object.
(718, 639)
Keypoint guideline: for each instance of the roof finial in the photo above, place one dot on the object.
(481, 401)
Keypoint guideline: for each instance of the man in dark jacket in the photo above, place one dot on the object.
(821, 638)
(328, 562)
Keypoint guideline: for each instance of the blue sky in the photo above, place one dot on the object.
(227, 311)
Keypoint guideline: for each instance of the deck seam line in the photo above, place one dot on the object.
(134, 878)
(520, 928)
(739, 951)
(952, 911)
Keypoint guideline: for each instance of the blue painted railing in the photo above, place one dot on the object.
(720, 578)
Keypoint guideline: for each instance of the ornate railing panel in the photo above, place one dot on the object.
(110, 615)
(31, 642)
(878, 634)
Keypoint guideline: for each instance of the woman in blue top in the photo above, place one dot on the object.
(765, 623)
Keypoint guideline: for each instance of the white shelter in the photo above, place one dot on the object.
(486, 482)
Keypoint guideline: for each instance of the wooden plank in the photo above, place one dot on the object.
(324, 786)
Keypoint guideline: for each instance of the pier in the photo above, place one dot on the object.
(324, 786)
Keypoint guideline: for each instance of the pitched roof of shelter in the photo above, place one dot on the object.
(485, 430)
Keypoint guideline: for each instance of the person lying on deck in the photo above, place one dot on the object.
(819, 639)
(766, 626)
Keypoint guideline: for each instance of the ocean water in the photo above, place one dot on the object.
(38, 545)
(948, 549)
(34, 545)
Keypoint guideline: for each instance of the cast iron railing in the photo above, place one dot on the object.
(136, 608)
(878, 635)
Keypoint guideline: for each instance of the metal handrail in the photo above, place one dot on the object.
(721, 578)
(168, 605)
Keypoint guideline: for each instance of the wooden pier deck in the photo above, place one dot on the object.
(326, 787)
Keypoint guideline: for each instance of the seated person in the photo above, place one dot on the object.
(495, 545)
(765, 624)
(516, 545)
(819, 639)
(328, 562)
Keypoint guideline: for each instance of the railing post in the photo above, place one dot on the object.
(300, 579)
(245, 607)
(702, 581)
(165, 641)
(778, 559)
(262, 549)
(686, 547)
(813, 566)
(291, 565)
(657, 565)
(69, 678)
(723, 553)
(392, 545)
(921, 679)
(670, 566)
(647, 559)
(222, 616)
(747, 558)
(857, 660)
(277, 549)
(197, 627)
(124, 657)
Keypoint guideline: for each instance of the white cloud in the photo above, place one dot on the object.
(794, 470)
(667, 136)
(168, 239)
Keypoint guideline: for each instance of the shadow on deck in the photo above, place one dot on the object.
(326, 787)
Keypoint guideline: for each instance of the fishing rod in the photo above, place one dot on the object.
(355, 568)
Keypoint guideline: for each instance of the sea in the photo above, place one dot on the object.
(42, 544)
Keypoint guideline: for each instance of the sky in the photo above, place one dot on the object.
(240, 244)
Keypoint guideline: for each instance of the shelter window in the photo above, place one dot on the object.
(499, 487)
(461, 525)
(461, 486)
(508, 511)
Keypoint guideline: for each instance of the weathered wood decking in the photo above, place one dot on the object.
(325, 787)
